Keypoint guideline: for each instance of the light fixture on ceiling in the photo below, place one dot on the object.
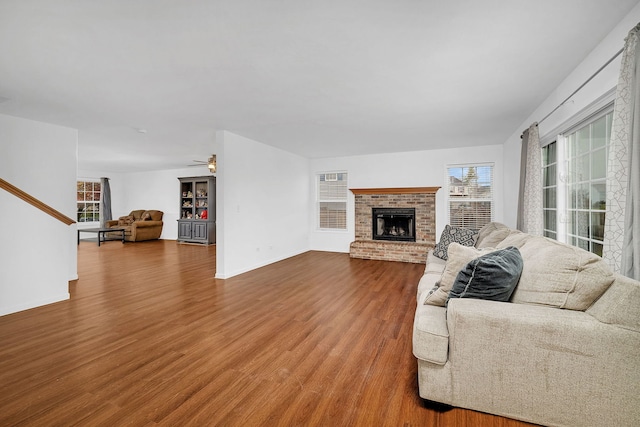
(211, 163)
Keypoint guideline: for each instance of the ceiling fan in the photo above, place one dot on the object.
(210, 163)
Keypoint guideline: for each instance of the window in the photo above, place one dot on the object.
(470, 194)
(332, 201)
(574, 184)
(88, 201)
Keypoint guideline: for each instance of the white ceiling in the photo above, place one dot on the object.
(322, 78)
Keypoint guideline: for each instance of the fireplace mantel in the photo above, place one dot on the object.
(402, 190)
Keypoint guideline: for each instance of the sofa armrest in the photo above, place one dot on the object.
(511, 358)
(110, 223)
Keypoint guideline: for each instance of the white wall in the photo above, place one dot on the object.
(262, 209)
(38, 253)
(603, 82)
(411, 169)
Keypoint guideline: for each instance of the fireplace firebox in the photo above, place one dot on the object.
(396, 224)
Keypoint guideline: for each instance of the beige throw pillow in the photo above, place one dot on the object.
(458, 257)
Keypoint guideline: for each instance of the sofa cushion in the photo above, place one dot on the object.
(136, 214)
(492, 234)
(556, 274)
(125, 220)
(464, 236)
(155, 215)
(493, 276)
(459, 256)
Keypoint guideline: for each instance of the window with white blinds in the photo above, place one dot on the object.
(470, 195)
(332, 201)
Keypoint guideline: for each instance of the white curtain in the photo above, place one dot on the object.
(622, 220)
(530, 219)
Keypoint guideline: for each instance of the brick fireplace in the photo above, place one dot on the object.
(422, 199)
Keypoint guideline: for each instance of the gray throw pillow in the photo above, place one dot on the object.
(464, 236)
(493, 276)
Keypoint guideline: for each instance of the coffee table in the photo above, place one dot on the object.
(100, 231)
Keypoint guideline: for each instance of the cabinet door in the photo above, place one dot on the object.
(184, 230)
(199, 230)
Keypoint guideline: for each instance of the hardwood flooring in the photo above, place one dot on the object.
(149, 337)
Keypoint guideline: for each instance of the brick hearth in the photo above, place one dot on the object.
(423, 199)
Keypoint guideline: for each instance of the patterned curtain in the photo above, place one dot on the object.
(622, 221)
(105, 202)
(530, 219)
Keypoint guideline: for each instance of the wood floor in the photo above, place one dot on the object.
(150, 338)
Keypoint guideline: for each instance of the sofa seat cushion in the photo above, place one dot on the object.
(430, 334)
(556, 274)
(493, 276)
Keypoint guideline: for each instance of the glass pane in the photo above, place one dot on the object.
(572, 167)
(582, 228)
(596, 248)
(549, 197)
(597, 225)
(550, 220)
(549, 176)
(599, 164)
(584, 244)
(583, 140)
(583, 196)
(80, 186)
(599, 196)
(572, 196)
(599, 133)
(571, 146)
(552, 152)
(583, 164)
(79, 196)
(550, 234)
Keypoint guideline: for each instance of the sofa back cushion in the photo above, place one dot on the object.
(491, 234)
(155, 215)
(137, 214)
(556, 274)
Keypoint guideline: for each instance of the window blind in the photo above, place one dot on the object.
(470, 195)
(332, 201)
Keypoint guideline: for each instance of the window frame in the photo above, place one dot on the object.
(477, 221)
(335, 201)
(567, 230)
(81, 212)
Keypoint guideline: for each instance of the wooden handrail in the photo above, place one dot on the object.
(35, 202)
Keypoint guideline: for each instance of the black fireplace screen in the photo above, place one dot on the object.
(394, 224)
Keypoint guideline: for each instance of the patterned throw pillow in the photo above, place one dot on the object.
(464, 236)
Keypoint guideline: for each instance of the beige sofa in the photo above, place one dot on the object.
(139, 225)
(565, 351)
